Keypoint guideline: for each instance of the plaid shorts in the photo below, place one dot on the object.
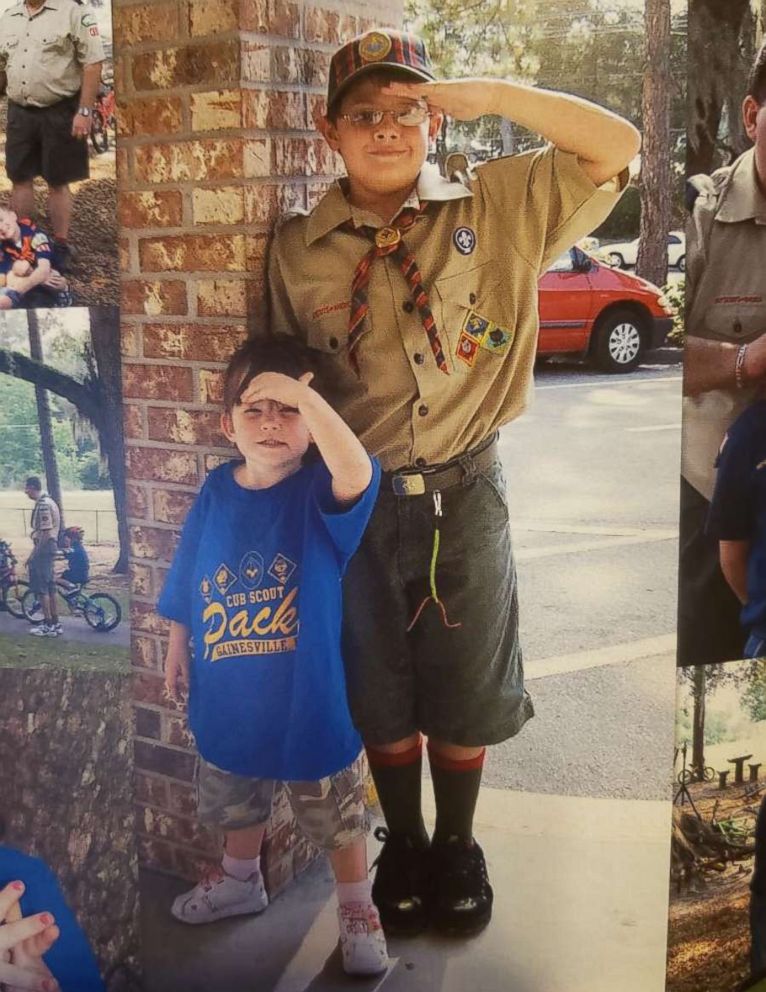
(331, 812)
(463, 684)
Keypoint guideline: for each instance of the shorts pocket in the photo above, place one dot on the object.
(493, 479)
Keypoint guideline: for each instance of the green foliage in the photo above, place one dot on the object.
(754, 696)
(624, 221)
(717, 729)
(675, 292)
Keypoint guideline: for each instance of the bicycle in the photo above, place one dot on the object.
(12, 590)
(103, 120)
(101, 611)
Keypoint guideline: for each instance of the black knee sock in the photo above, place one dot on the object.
(456, 790)
(397, 780)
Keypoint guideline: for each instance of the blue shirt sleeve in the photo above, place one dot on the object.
(345, 523)
(70, 959)
(177, 594)
(732, 513)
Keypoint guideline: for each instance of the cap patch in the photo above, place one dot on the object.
(374, 46)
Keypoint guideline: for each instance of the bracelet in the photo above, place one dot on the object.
(739, 366)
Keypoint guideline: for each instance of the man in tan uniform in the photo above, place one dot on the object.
(50, 67)
(724, 364)
(419, 298)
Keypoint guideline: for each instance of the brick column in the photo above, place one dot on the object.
(215, 103)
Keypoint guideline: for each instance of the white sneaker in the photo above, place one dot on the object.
(218, 895)
(41, 630)
(55, 630)
(362, 941)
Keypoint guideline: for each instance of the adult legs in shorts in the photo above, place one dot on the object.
(456, 677)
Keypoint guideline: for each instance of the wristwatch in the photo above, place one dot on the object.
(84, 111)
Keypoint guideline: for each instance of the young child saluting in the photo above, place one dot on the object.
(418, 296)
(256, 584)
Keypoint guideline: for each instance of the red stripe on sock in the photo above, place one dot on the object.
(386, 759)
(453, 764)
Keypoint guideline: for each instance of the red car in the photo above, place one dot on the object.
(601, 313)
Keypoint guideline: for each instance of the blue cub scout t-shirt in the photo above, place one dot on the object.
(738, 510)
(257, 579)
(70, 960)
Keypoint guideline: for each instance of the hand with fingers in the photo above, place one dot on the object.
(280, 388)
(463, 99)
(23, 942)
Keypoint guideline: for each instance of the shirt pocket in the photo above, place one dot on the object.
(735, 319)
(475, 319)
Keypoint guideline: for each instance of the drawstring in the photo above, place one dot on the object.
(432, 571)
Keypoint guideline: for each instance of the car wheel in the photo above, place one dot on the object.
(619, 346)
(616, 260)
(681, 263)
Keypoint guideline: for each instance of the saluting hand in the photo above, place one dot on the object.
(463, 99)
(277, 387)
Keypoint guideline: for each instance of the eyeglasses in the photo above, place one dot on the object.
(410, 117)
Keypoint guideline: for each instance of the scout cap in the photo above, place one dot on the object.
(376, 50)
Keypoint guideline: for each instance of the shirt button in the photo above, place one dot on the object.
(421, 462)
(422, 409)
(472, 297)
(333, 343)
(408, 306)
(419, 358)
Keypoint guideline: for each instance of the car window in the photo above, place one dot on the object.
(563, 263)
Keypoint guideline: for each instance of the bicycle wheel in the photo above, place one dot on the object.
(709, 774)
(102, 611)
(12, 597)
(31, 607)
(99, 135)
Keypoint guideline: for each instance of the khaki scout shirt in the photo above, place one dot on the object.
(43, 54)
(46, 519)
(726, 301)
(480, 247)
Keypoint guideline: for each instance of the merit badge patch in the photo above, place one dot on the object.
(282, 568)
(88, 20)
(374, 46)
(467, 349)
(476, 325)
(464, 240)
(206, 589)
(496, 339)
(224, 578)
(251, 570)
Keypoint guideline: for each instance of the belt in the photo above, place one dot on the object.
(430, 478)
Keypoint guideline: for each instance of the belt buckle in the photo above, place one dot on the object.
(408, 485)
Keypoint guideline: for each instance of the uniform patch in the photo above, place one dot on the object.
(496, 339)
(374, 46)
(251, 570)
(88, 20)
(467, 349)
(224, 578)
(464, 240)
(331, 308)
(476, 325)
(206, 589)
(93, 32)
(282, 568)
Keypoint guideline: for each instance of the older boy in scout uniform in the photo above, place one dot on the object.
(50, 67)
(419, 296)
(724, 362)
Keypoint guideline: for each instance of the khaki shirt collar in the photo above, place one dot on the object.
(334, 209)
(743, 199)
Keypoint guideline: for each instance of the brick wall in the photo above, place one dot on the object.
(215, 101)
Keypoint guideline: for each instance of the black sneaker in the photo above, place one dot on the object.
(401, 886)
(462, 895)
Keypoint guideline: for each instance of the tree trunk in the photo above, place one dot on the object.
(105, 338)
(698, 719)
(652, 261)
(47, 446)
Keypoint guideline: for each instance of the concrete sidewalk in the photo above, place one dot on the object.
(580, 906)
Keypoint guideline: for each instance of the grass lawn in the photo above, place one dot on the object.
(55, 652)
(92, 510)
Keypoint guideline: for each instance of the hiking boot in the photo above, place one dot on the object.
(462, 897)
(218, 895)
(401, 886)
(362, 942)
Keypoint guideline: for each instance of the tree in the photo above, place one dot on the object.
(655, 178)
(97, 398)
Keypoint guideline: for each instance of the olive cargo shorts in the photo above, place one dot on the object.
(462, 685)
